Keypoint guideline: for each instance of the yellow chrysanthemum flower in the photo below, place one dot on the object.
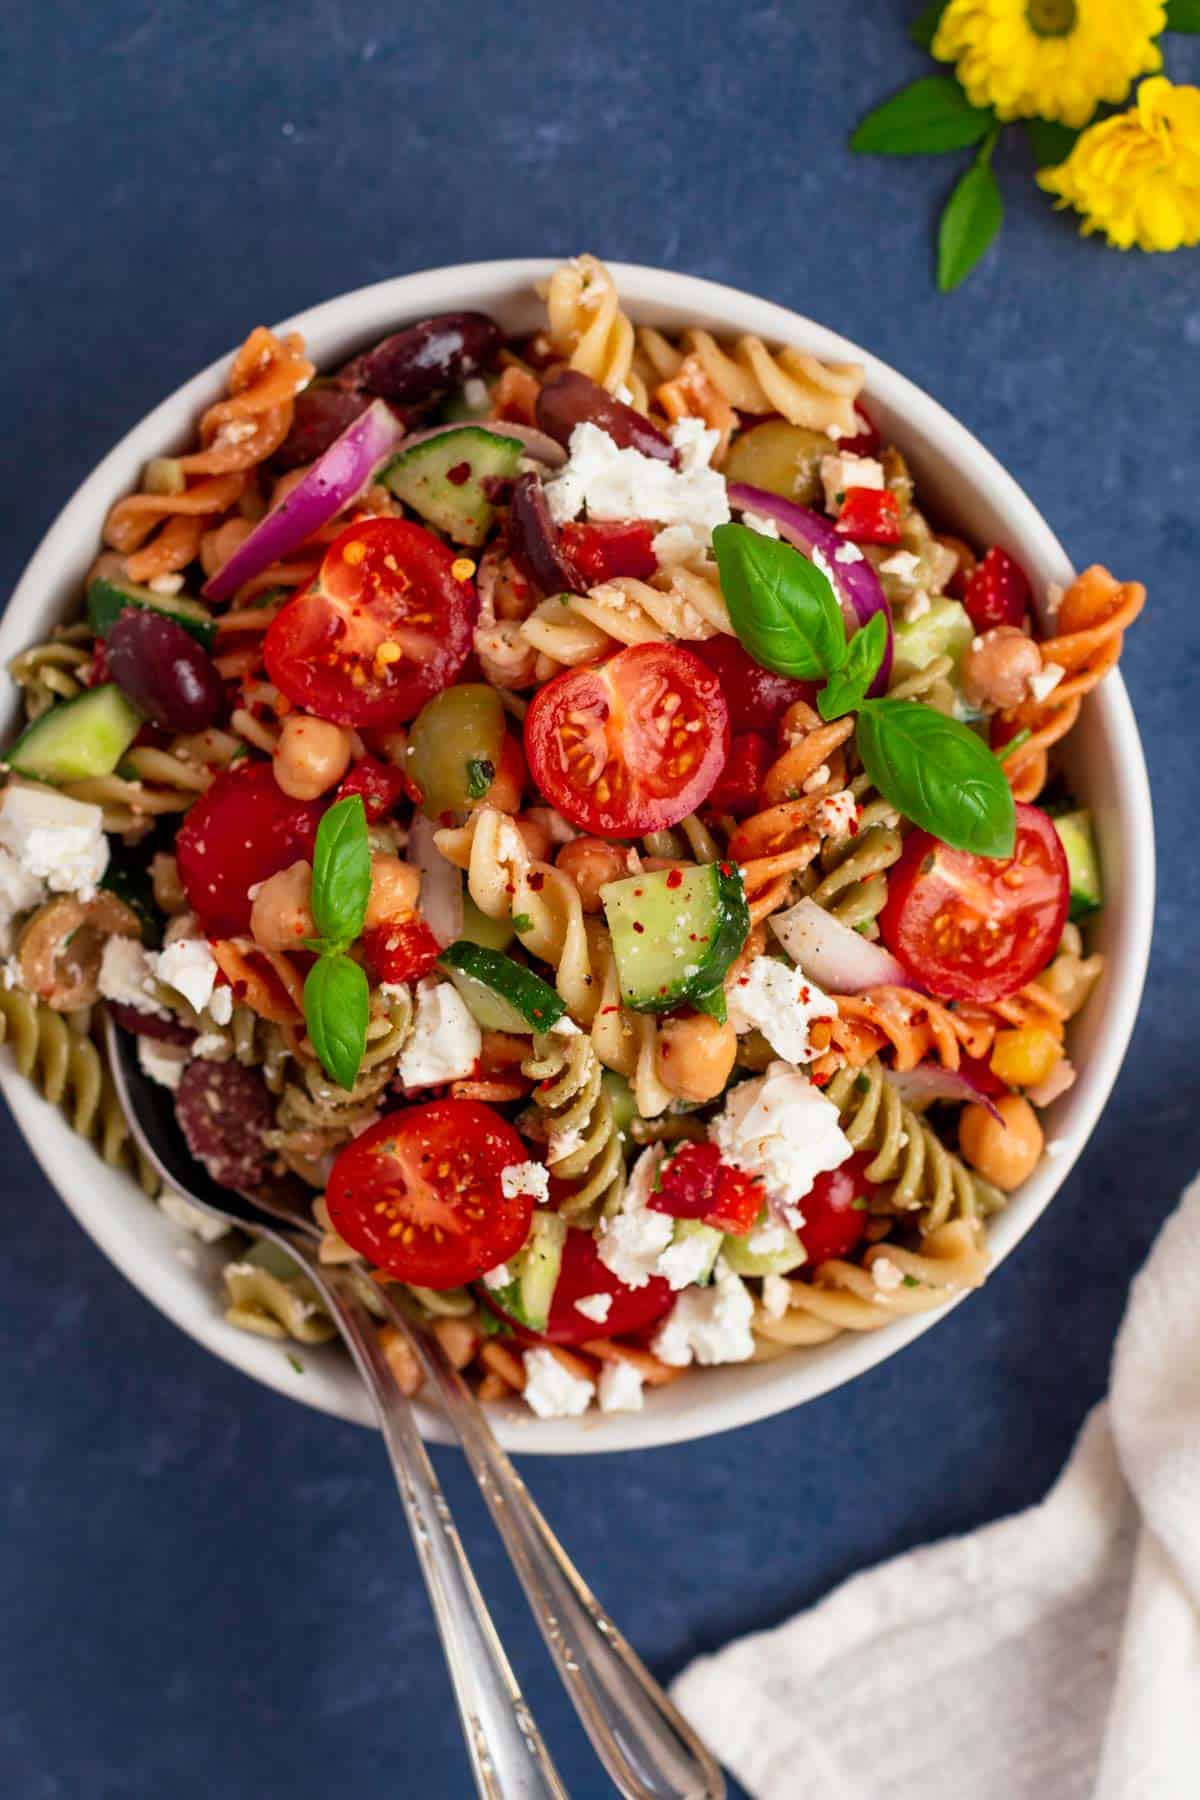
(1137, 177)
(1050, 59)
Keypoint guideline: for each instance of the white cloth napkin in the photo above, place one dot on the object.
(1051, 1656)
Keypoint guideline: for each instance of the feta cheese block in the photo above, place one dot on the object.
(525, 1178)
(708, 1325)
(55, 840)
(779, 1000)
(188, 966)
(782, 1128)
(445, 1041)
(619, 1388)
(611, 483)
(127, 975)
(551, 1391)
(631, 1243)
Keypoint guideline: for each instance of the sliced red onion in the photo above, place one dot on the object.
(837, 958)
(929, 1082)
(441, 897)
(856, 584)
(541, 448)
(334, 482)
(534, 540)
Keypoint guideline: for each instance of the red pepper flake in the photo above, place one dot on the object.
(537, 881)
(674, 878)
(603, 1009)
(459, 474)
(638, 926)
(725, 868)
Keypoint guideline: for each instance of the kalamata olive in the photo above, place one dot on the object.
(164, 671)
(149, 1025)
(533, 540)
(321, 414)
(427, 358)
(571, 399)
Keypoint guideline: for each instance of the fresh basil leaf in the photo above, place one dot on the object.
(341, 880)
(480, 775)
(782, 607)
(847, 686)
(970, 220)
(337, 1004)
(938, 773)
(1051, 142)
(1183, 15)
(922, 31)
(930, 116)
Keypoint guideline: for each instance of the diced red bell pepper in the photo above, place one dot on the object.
(869, 516)
(607, 548)
(381, 785)
(695, 1184)
(401, 952)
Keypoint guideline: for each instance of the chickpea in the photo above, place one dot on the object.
(997, 667)
(394, 889)
(311, 756)
(282, 911)
(535, 836)
(1003, 1153)
(695, 1056)
(591, 862)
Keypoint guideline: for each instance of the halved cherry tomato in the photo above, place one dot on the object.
(419, 1193)
(244, 829)
(385, 625)
(833, 1224)
(741, 779)
(978, 927)
(997, 591)
(695, 1184)
(401, 952)
(603, 549)
(630, 745)
(757, 698)
(869, 516)
(582, 1273)
(381, 785)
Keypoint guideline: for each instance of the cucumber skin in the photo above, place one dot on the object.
(530, 998)
(48, 727)
(107, 600)
(705, 989)
(528, 1297)
(418, 478)
(1083, 862)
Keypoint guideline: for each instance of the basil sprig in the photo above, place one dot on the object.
(934, 770)
(337, 999)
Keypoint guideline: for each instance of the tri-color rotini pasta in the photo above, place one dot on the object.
(516, 785)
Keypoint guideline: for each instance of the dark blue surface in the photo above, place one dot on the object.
(205, 1589)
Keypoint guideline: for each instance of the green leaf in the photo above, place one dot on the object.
(922, 31)
(341, 880)
(930, 116)
(847, 686)
(782, 607)
(337, 1004)
(938, 773)
(1183, 15)
(1051, 142)
(972, 217)
(480, 775)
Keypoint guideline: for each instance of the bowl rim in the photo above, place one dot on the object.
(142, 1250)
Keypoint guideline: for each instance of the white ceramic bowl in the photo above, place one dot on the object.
(1105, 761)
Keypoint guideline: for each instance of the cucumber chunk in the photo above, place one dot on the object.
(109, 595)
(501, 994)
(534, 1271)
(945, 630)
(709, 1236)
(80, 738)
(1083, 862)
(781, 1261)
(620, 1099)
(491, 934)
(675, 933)
(451, 480)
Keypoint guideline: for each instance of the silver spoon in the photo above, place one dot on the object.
(645, 1744)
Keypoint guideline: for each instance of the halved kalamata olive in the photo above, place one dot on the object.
(427, 358)
(571, 399)
(321, 414)
(149, 1025)
(164, 671)
(533, 540)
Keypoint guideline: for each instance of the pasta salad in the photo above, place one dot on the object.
(568, 800)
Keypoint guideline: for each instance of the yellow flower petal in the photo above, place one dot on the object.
(1136, 177)
(1050, 59)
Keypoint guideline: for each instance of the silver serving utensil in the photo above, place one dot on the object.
(647, 1747)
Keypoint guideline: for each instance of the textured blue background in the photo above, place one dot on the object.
(206, 1589)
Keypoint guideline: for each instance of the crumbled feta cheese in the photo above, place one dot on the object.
(631, 1243)
(159, 1064)
(393, 990)
(620, 1388)
(886, 1275)
(848, 553)
(210, 1046)
(10, 973)
(551, 1391)
(836, 814)
(595, 1307)
(127, 976)
(709, 1325)
(525, 1178)
(445, 1040)
(1046, 680)
(19, 890)
(680, 544)
(778, 999)
(783, 1129)
(776, 1296)
(173, 584)
(694, 443)
(761, 523)
(188, 966)
(901, 563)
(565, 1027)
(564, 1143)
(200, 1223)
(845, 471)
(475, 393)
(498, 1277)
(685, 1260)
(624, 393)
(55, 839)
(768, 1239)
(1054, 599)
(623, 484)
(220, 1005)
(917, 607)
(818, 778)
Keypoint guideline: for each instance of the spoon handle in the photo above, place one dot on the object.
(647, 1747)
(508, 1757)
